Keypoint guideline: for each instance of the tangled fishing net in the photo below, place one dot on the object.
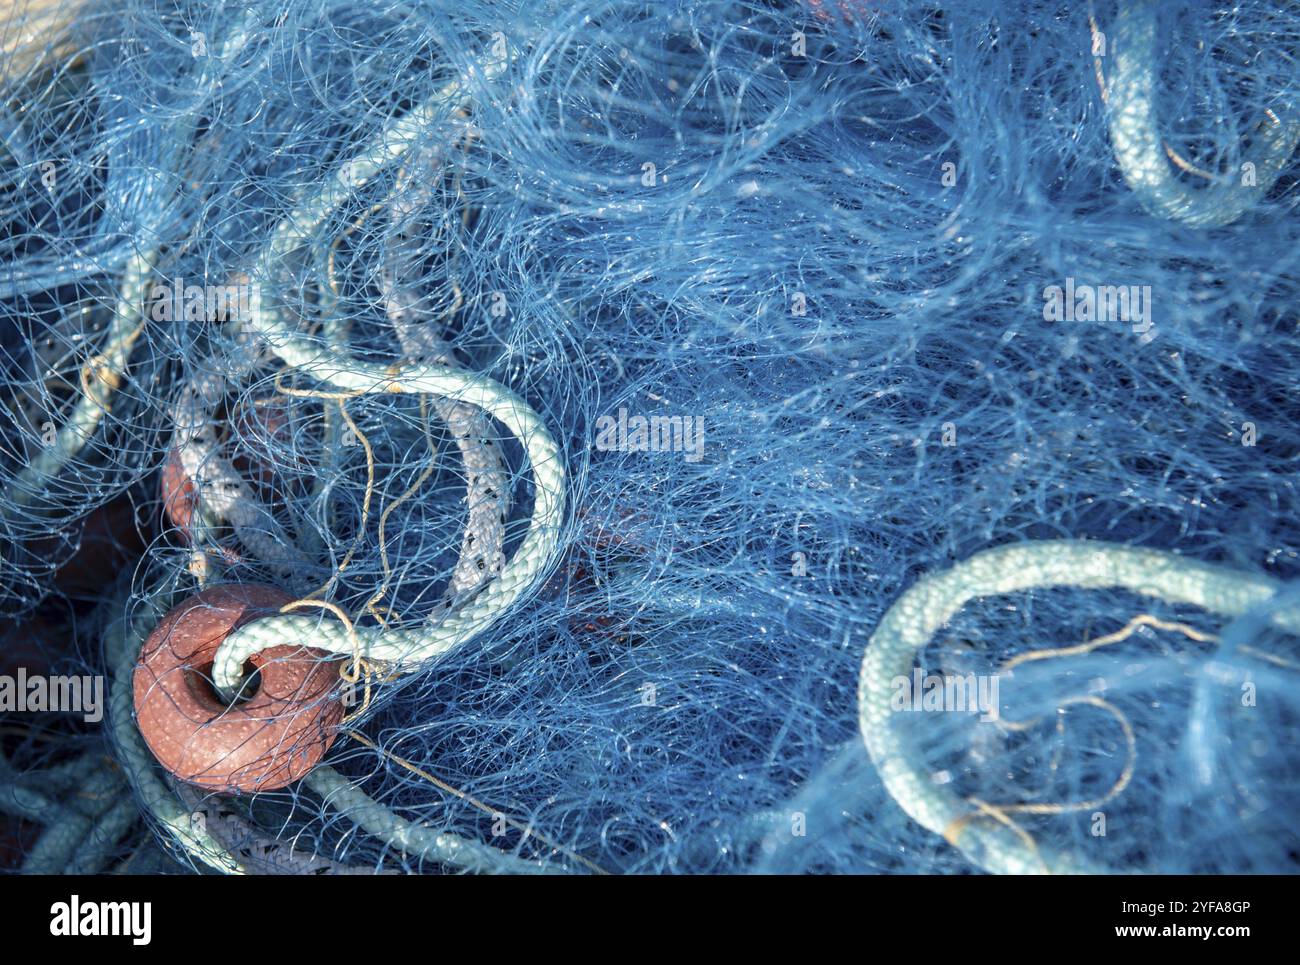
(636, 404)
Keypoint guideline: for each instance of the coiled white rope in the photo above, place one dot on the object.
(1139, 148)
(415, 644)
(924, 608)
(331, 365)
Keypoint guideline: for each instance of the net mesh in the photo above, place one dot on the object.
(797, 289)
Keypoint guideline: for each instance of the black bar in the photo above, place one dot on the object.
(304, 915)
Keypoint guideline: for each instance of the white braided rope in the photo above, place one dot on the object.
(486, 474)
(924, 608)
(1138, 145)
(333, 366)
(221, 494)
(532, 556)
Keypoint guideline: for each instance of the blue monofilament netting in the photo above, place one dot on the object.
(844, 244)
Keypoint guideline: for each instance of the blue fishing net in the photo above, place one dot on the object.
(818, 300)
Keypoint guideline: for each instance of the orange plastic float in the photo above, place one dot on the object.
(264, 741)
